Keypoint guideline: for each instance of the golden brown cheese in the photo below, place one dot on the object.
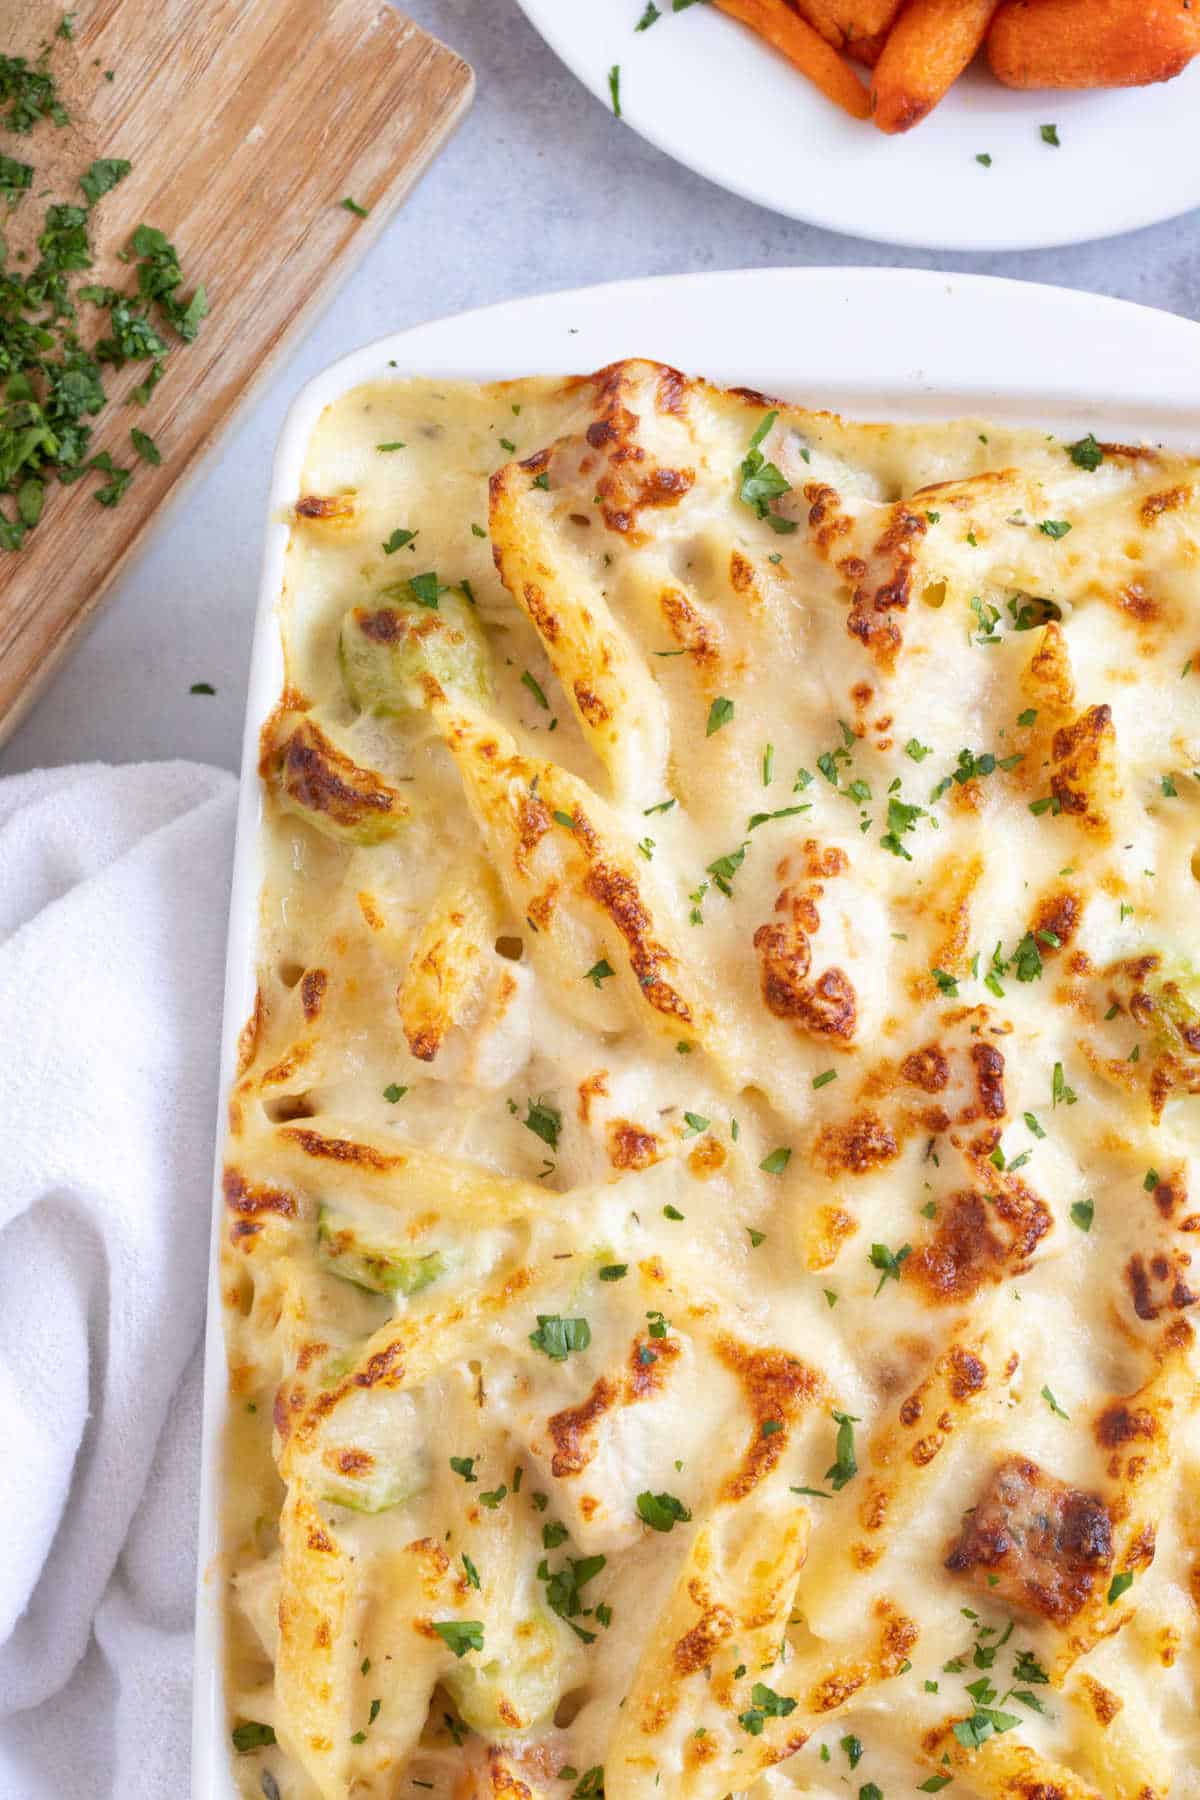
(711, 1181)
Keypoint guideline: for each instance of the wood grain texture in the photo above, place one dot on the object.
(246, 122)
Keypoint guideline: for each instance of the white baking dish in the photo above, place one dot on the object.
(884, 343)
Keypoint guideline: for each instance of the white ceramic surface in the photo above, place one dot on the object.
(875, 343)
(711, 94)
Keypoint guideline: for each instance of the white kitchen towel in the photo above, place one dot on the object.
(114, 890)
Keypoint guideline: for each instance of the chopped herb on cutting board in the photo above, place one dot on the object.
(59, 333)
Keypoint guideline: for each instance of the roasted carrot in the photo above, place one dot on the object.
(928, 47)
(867, 50)
(1092, 43)
(865, 18)
(775, 21)
(822, 16)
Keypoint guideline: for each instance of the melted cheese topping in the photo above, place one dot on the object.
(711, 1176)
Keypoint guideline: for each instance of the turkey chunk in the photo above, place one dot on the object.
(1046, 1543)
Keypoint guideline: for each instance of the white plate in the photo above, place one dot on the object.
(712, 95)
(954, 345)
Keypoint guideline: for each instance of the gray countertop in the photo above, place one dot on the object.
(542, 188)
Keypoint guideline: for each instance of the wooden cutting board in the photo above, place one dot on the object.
(247, 122)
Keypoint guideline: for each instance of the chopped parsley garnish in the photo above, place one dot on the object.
(528, 681)
(724, 869)
(760, 482)
(493, 1498)
(823, 1080)
(1028, 716)
(553, 1534)
(663, 806)
(472, 1573)
(917, 750)
(614, 1271)
(1049, 135)
(1086, 453)
(393, 1092)
(815, 1493)
(1027, 959)
(845, 1466)
(1052, 1403)
(599, 971)
(464, 1466)
(935, 1783)
(901, 818)
(460, 1635)
(1152, 1180)
(662, 1512)
(648, 17)
(891, 1265)
(1082, 1214)
(765, 1704)
(1119, 1585)
(202, 687)
(145, 446)
(946, 983)
(252, 1736)
(1028, 1668)
(103, 176)
(1054, 528)
(556, 1337)
(614, 89)
(768, 765)
(397, 540)
(1032, 1124)
(16, 178)
(542, 480)
(352, 206)
(53, 384)
(756, 1237)
(984, 1723)
(984, 159)
(673, 1213)
(783, 812)
(776, 1161)
(397, 444)
(989, 618)
(719, 713)
(1029, 612)
(1059, 1091)
(31, 93)
(853, 1747)
(696, 1123)
(544, 1120)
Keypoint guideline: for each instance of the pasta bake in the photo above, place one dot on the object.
(712, 1169)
